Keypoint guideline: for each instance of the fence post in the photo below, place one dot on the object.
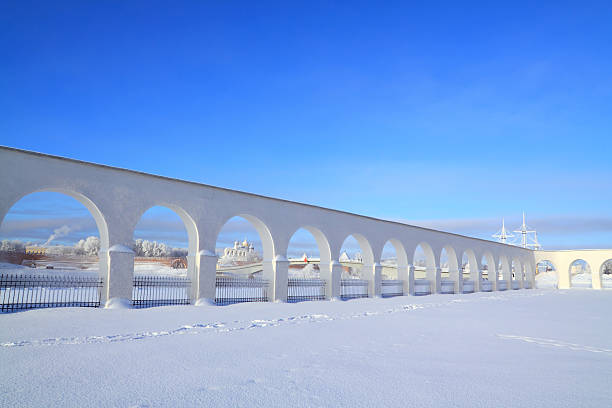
(204, 283)
(281, 277)
(119, 282)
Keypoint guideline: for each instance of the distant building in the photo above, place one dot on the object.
(36, 250)
(345, 258)
(241, 253)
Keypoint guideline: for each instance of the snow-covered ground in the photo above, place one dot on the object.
(547, 279)
(527, 348)
(139, 269)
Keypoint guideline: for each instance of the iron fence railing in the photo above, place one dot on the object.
(486, 286)
(19, 292)
(392, 288)
(299, 289)
(231, 290)
(422, 287)
(447, 286)
(353, 288)
(468, 286)
(149, 291)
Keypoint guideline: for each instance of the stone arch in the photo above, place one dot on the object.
(262, 229)
(474, 275)
(188, 222)
(490, 283)
(320, 239)
(367, 255)
(504, 278)
(400, 253)
(516, 273)
(542, 266)
(81, 198)
(450, 279)
(605, 274)
(581, 274)
(426, 274)
(546, 274)
(366, 248)
(430, 258)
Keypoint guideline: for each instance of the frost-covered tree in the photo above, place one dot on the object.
(89, 246)
(143, 247)
(11, 246)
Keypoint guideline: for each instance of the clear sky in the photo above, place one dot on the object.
(444, 114)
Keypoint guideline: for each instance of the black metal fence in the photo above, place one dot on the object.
(468, 286)
(486, 286)
(19, 292)
(353, 288)
(392, 288)
(299, 290)
(422, 287)
(231, 290)
(151, 291)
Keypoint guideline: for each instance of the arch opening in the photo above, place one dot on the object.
(389, 261)
(449, 270)
(165, 240)
(304, 255)
(241, 248)
(504, 274)
(422, 259)
(355, 255)
(580, 274)
(469, 271)
(516, 270)
(162, 243)
(489, 273)
(606, 274)
(304, 276)
(57, 240)
(53, 232)
(245, 268)
(546, 275)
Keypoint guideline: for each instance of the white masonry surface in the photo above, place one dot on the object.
(117, 198)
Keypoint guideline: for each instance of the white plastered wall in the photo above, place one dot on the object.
(117, 198)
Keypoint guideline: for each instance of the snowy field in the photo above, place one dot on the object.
(525, 348)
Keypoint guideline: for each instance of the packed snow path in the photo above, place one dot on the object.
(528, 348)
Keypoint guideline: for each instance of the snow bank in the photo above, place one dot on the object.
(307, 272)
(547, 279)
(433, 351)
(4, 266)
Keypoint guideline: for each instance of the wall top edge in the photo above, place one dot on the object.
(575, 250)
(157, 176)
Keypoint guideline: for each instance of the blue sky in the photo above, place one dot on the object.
(440, 114)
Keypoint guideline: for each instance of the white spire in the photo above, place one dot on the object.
(502, 235)
(524, 230)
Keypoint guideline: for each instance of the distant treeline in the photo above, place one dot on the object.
(90, 246)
